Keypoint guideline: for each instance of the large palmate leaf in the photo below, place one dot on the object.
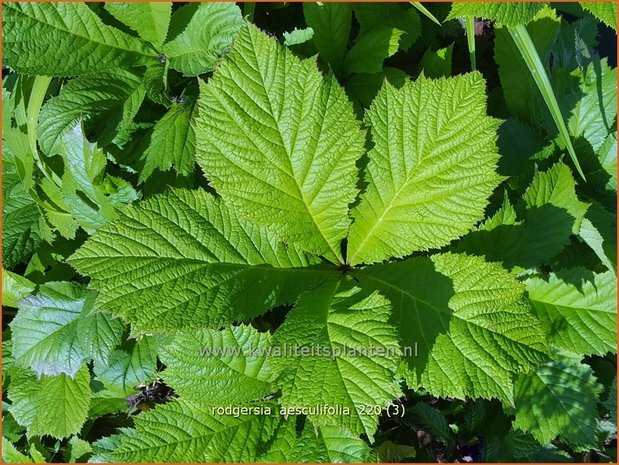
(208, 35)
(578, 308)
(507, 13)
(183, 432)
(212, 367)
(558, 399)
(183, 259)
(149, 19)
(110, 100)
(279, 142)
(324, 444)
(54, 333)
(53, 405)
(64, 39)
(431, 170)
(172, 143)
(468, 320)
(330, 322)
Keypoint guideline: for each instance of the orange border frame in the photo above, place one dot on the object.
(303, 1)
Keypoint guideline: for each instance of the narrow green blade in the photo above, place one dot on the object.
(426, 12)
(531, 57)
(470, 40)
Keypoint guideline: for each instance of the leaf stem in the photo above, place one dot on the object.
(527, 49)
(470, 40)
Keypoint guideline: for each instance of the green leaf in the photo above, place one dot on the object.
(183, 260)
(323, 444)
(595, 113)
(130, 366)
(149, 19)
(54, 406)
(509, 14)
(108, 101)
(45, 335)
(364, 86)
(436, 64)
(607, 156)
(371, 49)
(91, 197)
(543, 233)
(604, 11)
(575, 46)
(105, 402)
(328, 323)
(520, 147)
(77, 449)
(180, 431)
(65, 39)
(280, 155)
(389, 452)
(298, 36)
(21, 219)
(431, 420)
(98, 334)
(331, 23)
(172, 143)
(54, 332)
(10, 454)
(553, 212)
(559, 399)
(14, 288)
(556, 187)
(206, 38)
(217, 367)
(464, 316)
(376, 15)
(599, 231)
(578, 309)
(431, 170)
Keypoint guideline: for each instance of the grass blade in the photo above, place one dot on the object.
(426, 12)
(249, 9)
(470, 40)
(531, 57)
